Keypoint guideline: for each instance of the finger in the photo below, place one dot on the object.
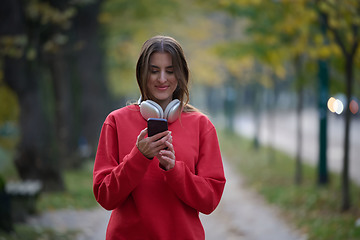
(158, 136)
(170, 146)
(168, 154)
(170, 139)
(166, 161)
(161, 142)
(160, 148)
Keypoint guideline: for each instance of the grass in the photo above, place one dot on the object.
(23, 231)
(78, 194)
(313, 209)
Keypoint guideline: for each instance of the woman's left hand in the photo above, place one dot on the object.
(167, 156)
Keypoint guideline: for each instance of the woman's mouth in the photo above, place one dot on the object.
(162, 88)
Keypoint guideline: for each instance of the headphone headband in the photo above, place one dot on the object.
(150, 109)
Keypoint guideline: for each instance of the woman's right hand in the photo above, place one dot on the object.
(151, 146)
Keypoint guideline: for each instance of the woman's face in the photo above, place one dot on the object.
(161, 81)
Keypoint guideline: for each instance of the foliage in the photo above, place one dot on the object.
(50, 18)
(127, 24)
(13, 46)
(313, 209)
(343, 22)
(278, 32)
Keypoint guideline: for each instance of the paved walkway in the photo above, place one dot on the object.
(91, 224)
(242, 215)
(279, 131)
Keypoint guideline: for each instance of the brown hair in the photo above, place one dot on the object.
(164, 44)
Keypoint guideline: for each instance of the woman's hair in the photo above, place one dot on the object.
(164, 44)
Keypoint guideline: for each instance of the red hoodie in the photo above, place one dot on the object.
(148, 202)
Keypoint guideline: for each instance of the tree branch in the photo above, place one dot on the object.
(355, 45)
(325, 18)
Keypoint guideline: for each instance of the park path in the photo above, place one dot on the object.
(241, 215)
(279, 130)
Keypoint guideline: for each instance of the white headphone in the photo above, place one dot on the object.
(150, 109)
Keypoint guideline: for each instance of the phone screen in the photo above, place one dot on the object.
(156, 125)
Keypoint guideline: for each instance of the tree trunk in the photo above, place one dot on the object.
(299, 108)
(58, 69)
(94, 96)
(257, 114)
(271, 108)
(346, 202)
(82, 99)
(36, 156)
(60, 76)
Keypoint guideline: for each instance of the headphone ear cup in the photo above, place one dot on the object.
(150, 109)
(172, 112)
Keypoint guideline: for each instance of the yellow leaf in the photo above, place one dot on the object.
(104, 17)
(324, 52)
(319, 39)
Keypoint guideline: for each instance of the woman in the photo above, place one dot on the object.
(156, 188)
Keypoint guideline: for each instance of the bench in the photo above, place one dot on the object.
(23, 196)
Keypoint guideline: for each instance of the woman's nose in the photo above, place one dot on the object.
(162, 76)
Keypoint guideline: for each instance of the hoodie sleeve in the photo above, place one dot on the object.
(114, 176)
(203, 189)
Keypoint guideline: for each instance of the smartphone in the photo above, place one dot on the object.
(156, 125)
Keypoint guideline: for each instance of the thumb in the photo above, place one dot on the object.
(142, 134)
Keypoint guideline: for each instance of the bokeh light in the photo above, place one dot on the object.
(354, 107)
(335, 105)
(330, 104)
(338, 106)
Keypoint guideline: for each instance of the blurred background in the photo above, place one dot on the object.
(280, 75)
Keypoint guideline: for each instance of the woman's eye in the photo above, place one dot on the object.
(154, 71)
(170, 72)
